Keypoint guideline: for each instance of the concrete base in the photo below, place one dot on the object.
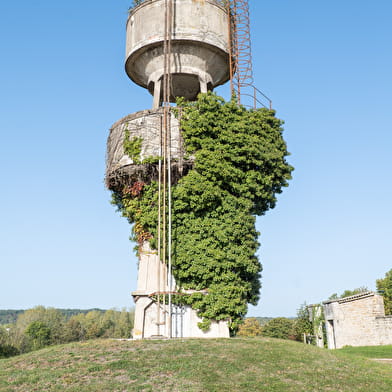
(153, 320)
(151, 323)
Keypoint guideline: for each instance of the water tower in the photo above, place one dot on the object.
(174, 48)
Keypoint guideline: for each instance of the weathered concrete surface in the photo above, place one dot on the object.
(200, 46)
(147, 124)
(358, 320)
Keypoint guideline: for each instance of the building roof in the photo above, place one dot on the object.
(351, 298)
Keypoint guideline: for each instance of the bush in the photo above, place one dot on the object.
(280, 327)
(302, 324)
(6, 348)
(385, 287)
(40, 334)
(8, 351)
(250, 327)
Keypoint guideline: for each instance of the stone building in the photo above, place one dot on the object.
(358, 320)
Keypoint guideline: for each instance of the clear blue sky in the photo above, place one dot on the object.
(326, 65)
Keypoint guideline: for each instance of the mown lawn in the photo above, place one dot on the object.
(369, 351)
(226, 365)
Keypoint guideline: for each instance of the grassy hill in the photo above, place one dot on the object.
(235, 365)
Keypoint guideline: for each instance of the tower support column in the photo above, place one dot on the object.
(157, 94)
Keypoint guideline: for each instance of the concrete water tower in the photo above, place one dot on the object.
(174, 48)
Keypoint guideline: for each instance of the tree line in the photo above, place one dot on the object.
(278, 327)
(9, 316)
(40, 327)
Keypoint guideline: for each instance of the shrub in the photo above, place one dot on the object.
(280, 327)
(250, 327)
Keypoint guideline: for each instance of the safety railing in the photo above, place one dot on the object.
(135, 3)
(253, 98)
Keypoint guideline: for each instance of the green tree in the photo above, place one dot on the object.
(250, 327)
(73, 329)
(98, 324)
(280, 327)
(124, 324)
(302, 324)
(92, 324)
(51, 317)
(349, 293)
(40, 334)
(385, 287)
(108, 322)
(18, 339)
(6, 347)
(7, 350)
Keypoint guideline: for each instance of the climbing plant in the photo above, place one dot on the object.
(385, 287)
(239, 167)
(132, 146)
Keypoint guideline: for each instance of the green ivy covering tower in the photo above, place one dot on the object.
(239, 167)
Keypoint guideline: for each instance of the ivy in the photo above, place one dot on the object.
(132, 146)
(138, 203)
(239, 168)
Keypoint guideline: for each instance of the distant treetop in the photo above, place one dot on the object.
(349, 293)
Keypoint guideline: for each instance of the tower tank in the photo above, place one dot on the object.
(145, 126)
(199, 55)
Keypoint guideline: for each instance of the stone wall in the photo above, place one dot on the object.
(384, 329)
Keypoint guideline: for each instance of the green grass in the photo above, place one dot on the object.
(236, 365)
(369, 351)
